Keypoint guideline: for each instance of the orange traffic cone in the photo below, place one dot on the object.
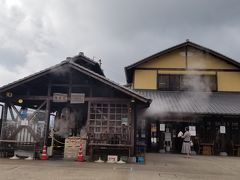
(44, 153)
(80, 154)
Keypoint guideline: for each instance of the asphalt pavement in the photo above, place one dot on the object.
(157, 166)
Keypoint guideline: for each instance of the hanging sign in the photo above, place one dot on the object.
(77, 98)
(222, 129)
(192, 130)
(162, 127)
(59, 97)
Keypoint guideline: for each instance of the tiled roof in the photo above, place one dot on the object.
(222, 103)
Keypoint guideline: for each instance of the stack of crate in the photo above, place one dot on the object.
(140, 152)
(72, 146)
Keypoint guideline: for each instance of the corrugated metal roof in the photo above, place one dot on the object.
(192, 102)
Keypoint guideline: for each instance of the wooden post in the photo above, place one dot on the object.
(47, 116)
(70, 85)
(1, 118)
(4, 116)
(238, 132)
(133, 127)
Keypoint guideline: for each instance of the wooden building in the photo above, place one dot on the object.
(189, 85)
(76, 93)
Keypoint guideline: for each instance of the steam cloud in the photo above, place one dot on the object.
(65, 122)
(198, 91)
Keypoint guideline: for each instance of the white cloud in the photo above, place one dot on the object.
(7, 75)
(37, 34)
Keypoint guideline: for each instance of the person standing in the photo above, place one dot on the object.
(186, 146)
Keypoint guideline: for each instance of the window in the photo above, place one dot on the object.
(108, 121)
(204, 83)
(170, 82)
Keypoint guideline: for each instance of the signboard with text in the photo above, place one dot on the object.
(192, 130)
(77, 98)
(60, 97)
(162, 127)
(222, 130)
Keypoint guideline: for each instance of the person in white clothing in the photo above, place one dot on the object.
(186, 146)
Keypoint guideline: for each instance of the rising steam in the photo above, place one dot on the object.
(197, 90)
(65, 122)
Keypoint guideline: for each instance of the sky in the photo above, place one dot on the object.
(36, 34)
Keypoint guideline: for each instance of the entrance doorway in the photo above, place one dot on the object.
(162, 136)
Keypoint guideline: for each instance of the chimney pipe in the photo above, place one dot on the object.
(81, 53)
(68, 58)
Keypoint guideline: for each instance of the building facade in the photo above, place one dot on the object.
(80, 99)
(185, 85)
(189, 85)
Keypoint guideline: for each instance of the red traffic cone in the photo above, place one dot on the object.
(44, 153)
(80, 154)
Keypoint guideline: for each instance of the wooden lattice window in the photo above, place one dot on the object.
(107, 121)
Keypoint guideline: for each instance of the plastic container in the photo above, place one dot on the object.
(140, 159)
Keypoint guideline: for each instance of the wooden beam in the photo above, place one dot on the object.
(107, 99)
(41, 98)
(31, 98)
(15, 109)
(11, 113)
(5, 110)
(73, 85)
(190, 69)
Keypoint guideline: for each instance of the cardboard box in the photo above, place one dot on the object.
(72, 146)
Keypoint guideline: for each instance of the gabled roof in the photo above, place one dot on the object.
(86, 62)
(81, 69)
(130, 69)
